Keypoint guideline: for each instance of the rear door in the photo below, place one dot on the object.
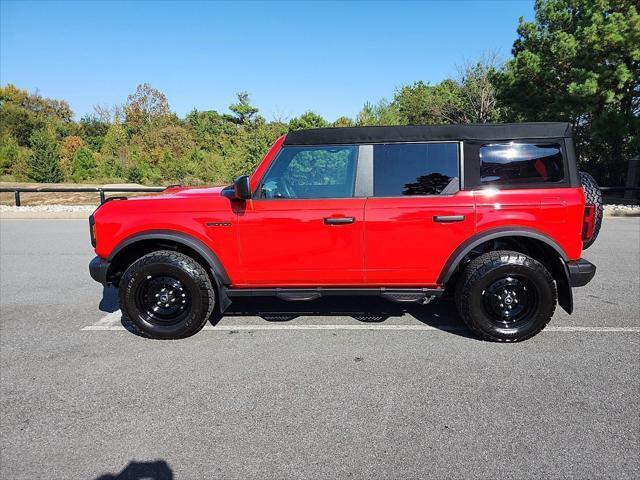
(304, 226)
(417, 214)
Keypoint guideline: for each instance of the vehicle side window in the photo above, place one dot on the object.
(415, 169)
(311, 172)
(517, 163)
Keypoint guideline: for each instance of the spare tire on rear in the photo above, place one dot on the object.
(593, 196)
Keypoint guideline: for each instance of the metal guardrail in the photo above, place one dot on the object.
(101, 190)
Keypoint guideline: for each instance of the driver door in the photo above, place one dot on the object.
(303, 226)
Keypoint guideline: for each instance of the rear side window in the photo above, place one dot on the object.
(518, 163)
(415, 169)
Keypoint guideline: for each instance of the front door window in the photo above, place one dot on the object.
(311, 172)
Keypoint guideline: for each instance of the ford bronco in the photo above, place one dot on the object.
(497, 214)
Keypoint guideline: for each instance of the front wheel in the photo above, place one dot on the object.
(506, 296)
(167, 295)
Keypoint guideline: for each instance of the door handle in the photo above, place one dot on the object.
(338, 220)
(448, 218)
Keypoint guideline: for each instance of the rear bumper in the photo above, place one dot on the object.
(580, 272)
(98, 268)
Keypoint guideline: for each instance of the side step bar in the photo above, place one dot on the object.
(413, 295)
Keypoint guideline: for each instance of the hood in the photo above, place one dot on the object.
(183, 193)
(186, 192)
(173, 199)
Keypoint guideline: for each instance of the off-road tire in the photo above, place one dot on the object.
(593, 196)
(195, 286)
(487, 270)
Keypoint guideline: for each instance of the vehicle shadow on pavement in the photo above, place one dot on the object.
(440, 313)
(157, 470)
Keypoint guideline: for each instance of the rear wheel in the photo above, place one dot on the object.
(505, 296)
(167, 295)
(593, 196)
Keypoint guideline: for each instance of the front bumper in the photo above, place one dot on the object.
(580, 272)
(98, 268)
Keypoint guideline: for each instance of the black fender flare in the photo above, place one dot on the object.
(219, 273)
(559, 271)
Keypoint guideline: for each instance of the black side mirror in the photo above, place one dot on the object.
(242, 187)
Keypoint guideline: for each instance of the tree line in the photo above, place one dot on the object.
(578, 61)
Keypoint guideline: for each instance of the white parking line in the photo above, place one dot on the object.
(111, 322)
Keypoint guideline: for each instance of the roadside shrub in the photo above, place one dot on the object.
(109, 167)
(134, 174)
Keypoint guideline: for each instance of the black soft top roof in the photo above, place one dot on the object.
(420, 133)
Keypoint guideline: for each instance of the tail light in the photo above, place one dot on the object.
(588, 222)
(92, 231)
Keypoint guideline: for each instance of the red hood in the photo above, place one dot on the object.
(189, 192)
(178, 193)
(175, 199)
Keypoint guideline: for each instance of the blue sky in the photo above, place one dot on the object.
(290, 56)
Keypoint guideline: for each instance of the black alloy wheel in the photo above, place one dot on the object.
(166, 295)
(510, 301)
(163, 299)
(505, 296)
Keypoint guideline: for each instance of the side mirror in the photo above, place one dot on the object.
(242, 187)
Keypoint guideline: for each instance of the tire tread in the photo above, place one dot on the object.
(593, 196)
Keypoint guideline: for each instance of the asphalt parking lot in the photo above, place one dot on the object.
(331, 389)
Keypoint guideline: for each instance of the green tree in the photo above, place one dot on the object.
(114, 150)
(307, 120)
(211, 130)
(93, 131)
(15, 119)
(423, 104)
(381, 113)
(343, 122)
(244, 111)
(44, 163)
(579, 61)
(13, 158)
(83, 165)
(257, 141)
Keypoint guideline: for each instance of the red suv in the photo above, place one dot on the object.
(496, 212)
